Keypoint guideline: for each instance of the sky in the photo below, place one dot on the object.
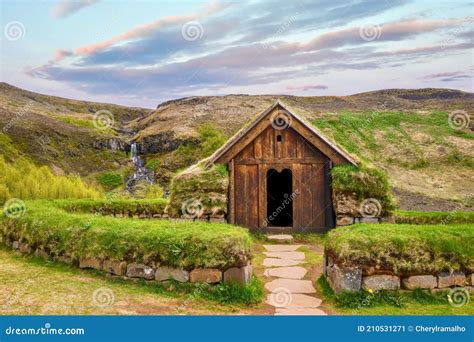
(140, 53)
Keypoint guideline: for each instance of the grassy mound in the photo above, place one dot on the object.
(404, 249)
(120, 207)
(362, 183)
(199, 192)
(417, 217)
(176, 244)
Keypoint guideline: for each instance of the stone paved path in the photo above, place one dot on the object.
(288, 292)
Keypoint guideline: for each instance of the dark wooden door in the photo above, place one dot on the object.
(246, 195)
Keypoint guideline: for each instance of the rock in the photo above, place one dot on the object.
(24, 248)
(381, 282)
(94, 263)
(344, 279)
(292, 301)
(289, 286)
(295, 272)
(369, 220)
(286, 255)
(344, 220)
(66, 260)
(135, 270)
(205, 275)
(470, 279)
(280, 237)
(419, 282)
(446, 279)
(281, 248)
(274, 262)
(115, 267)
(299, 312)
(217, 220)
(241, 275)
(346, 204)
(15, 245)
(166, 273)
(40, 253)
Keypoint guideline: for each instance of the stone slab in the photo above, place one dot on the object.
(381, 282)
(344, 279)
(280, 237)
(205, 275)
(300, 312)
(446, 279)
(275, 262)
(281, 248)
(292, 272)
(166, 273)
(286, 255)
(419, 282)
(292, 300)
(287, 286)
(241, 275)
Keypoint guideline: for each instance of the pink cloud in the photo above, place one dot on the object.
(65, 8)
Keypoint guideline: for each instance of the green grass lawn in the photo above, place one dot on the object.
(417, 217)
(419, 302)
(30, 285)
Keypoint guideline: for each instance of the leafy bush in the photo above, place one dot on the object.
(417, 217)
(22, 179)
(211, 139)
(404, 249)
(176, 244)
(110, 180)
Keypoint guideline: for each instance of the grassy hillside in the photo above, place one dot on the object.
(404, 132)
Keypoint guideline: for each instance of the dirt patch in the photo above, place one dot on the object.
(413, 201)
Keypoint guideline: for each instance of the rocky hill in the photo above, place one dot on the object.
(405, 132)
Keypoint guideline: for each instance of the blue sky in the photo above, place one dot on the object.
(141, 53)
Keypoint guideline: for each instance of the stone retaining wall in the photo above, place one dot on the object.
(159, 273)
(353, 279)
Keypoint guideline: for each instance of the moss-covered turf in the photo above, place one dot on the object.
(120, 207)
(177, 244)
(418, 217)
(404, 249)
(417, 302)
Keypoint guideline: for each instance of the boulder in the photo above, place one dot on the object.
(381, 282)
(15, 245)
(446, 279)
(115, 267)
(241, 275)
(344, 279)
(205, 275)
(135, 270)
(369, 220)
(94, 263)
(419, 282)
(166, 273)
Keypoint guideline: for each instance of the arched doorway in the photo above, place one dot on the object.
(279, 198)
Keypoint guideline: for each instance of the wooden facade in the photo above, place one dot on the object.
(279, 171)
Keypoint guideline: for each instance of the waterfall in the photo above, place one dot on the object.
(141, 172)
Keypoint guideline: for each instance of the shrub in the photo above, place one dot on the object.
(404, 249)
(23, 179)
(110, 180)
(176, 244)
(211, 139)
